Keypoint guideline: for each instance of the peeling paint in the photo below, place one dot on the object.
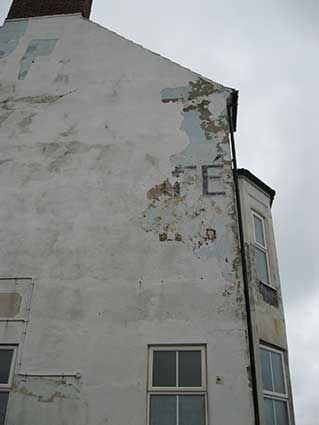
(179, 211)
(194, 89)
(162, 189)
(46, 390)
(206, 129)
(36, 48)
(125, 245)
(198, 122)
(183, 219)
(10, 35)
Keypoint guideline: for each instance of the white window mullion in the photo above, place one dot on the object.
(274, 412)
(177, 379)
(272, 372)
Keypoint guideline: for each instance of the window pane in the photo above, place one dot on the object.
(281, 412)
(164, 368)
(261, 264)
(5, 365)
(279, 385)
(266, 370)
(163, 410)
(192, 410)
(3, 406)
(189, 369)
(259, 231)
(269, 411)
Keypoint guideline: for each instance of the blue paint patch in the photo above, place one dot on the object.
(35, 49)
(10, 35)
(191, 125)
(175, 94)
(204, 131)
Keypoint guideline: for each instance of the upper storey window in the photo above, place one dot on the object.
(261, 250)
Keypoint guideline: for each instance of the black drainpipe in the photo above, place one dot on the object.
(232, 111)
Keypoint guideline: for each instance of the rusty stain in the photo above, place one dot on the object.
(162, 237)
(210, 235)
(164, 189)
(175, 218)
(178, 237)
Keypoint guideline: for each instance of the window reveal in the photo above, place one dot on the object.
(177, 386)
(274, 387)
(261, 250)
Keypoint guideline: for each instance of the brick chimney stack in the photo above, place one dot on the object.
(31, 8)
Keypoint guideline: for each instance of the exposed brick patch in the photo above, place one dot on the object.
(32, 8)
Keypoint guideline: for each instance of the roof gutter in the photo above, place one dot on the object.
(232, 121)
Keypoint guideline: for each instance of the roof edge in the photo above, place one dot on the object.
(243, 172)
(220, 86)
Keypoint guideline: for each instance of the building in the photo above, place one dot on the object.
(139, 279)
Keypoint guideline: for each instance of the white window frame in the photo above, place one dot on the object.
(178, 391)
(262, 248)
(8, 386)
(272, 395)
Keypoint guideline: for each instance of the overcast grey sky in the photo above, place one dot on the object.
(269, 51)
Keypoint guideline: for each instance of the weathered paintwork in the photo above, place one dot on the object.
(266, 301)
(10, 35)
(103, 156)
(35, 50)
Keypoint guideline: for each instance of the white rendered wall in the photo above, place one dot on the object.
(96, 132)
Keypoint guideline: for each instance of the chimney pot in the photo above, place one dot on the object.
(31, 8)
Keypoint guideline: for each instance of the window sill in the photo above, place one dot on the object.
(267, 285)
